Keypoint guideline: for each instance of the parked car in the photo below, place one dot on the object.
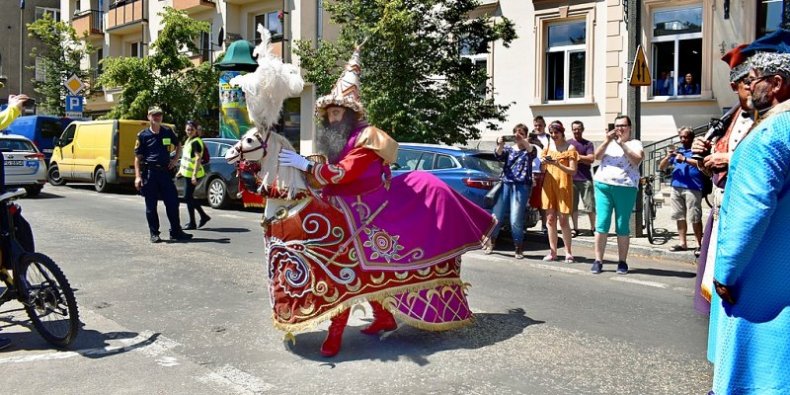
(470, 172)
(100, 152)
(220, 185)
(24, 164)
(42, 130)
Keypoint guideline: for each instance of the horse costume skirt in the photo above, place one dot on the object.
(388, 245)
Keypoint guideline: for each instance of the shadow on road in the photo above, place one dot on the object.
(663, 273)
(414, 344)
(225, 230)
(223, 240)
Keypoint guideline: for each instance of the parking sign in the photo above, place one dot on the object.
(74, 106)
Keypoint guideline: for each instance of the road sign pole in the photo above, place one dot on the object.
(633, 96)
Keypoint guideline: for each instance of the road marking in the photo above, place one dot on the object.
(640, 282)
(556, 268)
(238, 381)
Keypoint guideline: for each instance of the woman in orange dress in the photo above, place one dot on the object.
(558, 160)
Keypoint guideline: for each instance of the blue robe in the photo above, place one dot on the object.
(752, 342)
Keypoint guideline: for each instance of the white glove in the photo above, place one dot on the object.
(292, 159)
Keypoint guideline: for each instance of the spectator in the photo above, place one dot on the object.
(616, 183)
(663, 85)
(582, 180)
(540, 138)
(559, 164)
(686, 195)
(688, 86)
(516, 183)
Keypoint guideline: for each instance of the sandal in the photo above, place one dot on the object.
(696, 252)
(569, 259)
(549, 258)
(574, 232)
(678, 248)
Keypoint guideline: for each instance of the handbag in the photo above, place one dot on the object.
(493, 194)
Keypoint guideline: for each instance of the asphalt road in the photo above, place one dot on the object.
(193, 318)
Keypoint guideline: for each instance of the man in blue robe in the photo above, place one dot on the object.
(752, 321)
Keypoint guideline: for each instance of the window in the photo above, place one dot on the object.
(205, 46)
(444, 162)
(477, 52)
(271, 21)
(68, 135)
(677, 51)
(407, 160)
(136, 50)
(566, 59)
(52, 12)
(769, 16)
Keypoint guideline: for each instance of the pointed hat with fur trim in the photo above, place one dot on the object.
(346, 92)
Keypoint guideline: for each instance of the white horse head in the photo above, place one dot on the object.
(269, 85)
(264, 148)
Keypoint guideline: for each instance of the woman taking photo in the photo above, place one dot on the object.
(558, 161)
(516, 184)
(616, 183)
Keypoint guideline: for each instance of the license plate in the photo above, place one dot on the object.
(14, 163)
(128, 171)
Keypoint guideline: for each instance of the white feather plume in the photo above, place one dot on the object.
(269, 85)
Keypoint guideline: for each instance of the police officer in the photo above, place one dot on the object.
(152, 164)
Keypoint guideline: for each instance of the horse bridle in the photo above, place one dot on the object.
(264, 145)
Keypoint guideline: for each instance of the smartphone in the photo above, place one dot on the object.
(610, 126)
(508, 138)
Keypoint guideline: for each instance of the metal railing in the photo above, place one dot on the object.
(96, 20)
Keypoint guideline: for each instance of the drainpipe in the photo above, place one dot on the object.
(319, 21)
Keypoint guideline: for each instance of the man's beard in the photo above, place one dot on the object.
(332, 137)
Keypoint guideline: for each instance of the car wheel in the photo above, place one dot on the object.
(217, 193)
(53, 175)
(100, 181)
(33, 190)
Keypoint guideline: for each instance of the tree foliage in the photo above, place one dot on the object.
(59, 56)
(167, 77)
(415, 83)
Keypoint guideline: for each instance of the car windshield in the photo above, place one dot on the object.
(16, 145)
(484, 162)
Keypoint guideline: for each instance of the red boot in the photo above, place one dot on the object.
(383, 321)
(334, 336)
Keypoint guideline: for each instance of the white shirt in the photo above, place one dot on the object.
(616, 169)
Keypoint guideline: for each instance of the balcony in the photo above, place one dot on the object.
(241, 2)
(89, 23)
(126, 16)
(193, 6)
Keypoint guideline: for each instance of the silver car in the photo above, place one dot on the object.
(24, 164)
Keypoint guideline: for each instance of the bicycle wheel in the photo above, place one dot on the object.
(648, 215)
(48, 299)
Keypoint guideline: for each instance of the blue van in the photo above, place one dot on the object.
(40, 129)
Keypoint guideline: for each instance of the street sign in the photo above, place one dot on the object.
(74, 85)
(73, 106)
(640, 73)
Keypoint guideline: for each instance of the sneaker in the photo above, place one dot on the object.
(4, 342)
(155, 239)
(203, 221)
(518, 254)
(189, 226)
(596, 268)
(622, 268)
(181, 236)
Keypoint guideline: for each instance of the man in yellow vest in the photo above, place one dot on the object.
(192, 170)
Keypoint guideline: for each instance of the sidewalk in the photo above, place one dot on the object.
(666, 233)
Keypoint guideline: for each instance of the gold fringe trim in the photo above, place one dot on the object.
(379, 296)
(433, 327)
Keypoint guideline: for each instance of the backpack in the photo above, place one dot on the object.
(205, 158)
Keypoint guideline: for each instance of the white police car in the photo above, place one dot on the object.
(24, 164)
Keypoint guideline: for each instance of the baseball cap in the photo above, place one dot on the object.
(155, 110)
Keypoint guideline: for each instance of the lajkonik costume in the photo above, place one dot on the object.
(365, 236)
(752, 353)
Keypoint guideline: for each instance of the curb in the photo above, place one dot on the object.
(638, 249)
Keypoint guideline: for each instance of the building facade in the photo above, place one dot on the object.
(569, 62)
(15, 48)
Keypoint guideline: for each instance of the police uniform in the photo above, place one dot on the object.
(154, 149)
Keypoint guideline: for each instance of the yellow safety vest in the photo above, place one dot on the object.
(188, 159)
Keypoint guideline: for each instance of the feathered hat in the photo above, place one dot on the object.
(345, 93)
(738, 62)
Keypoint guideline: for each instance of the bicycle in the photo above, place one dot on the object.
(648, 207)
(33, 278)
